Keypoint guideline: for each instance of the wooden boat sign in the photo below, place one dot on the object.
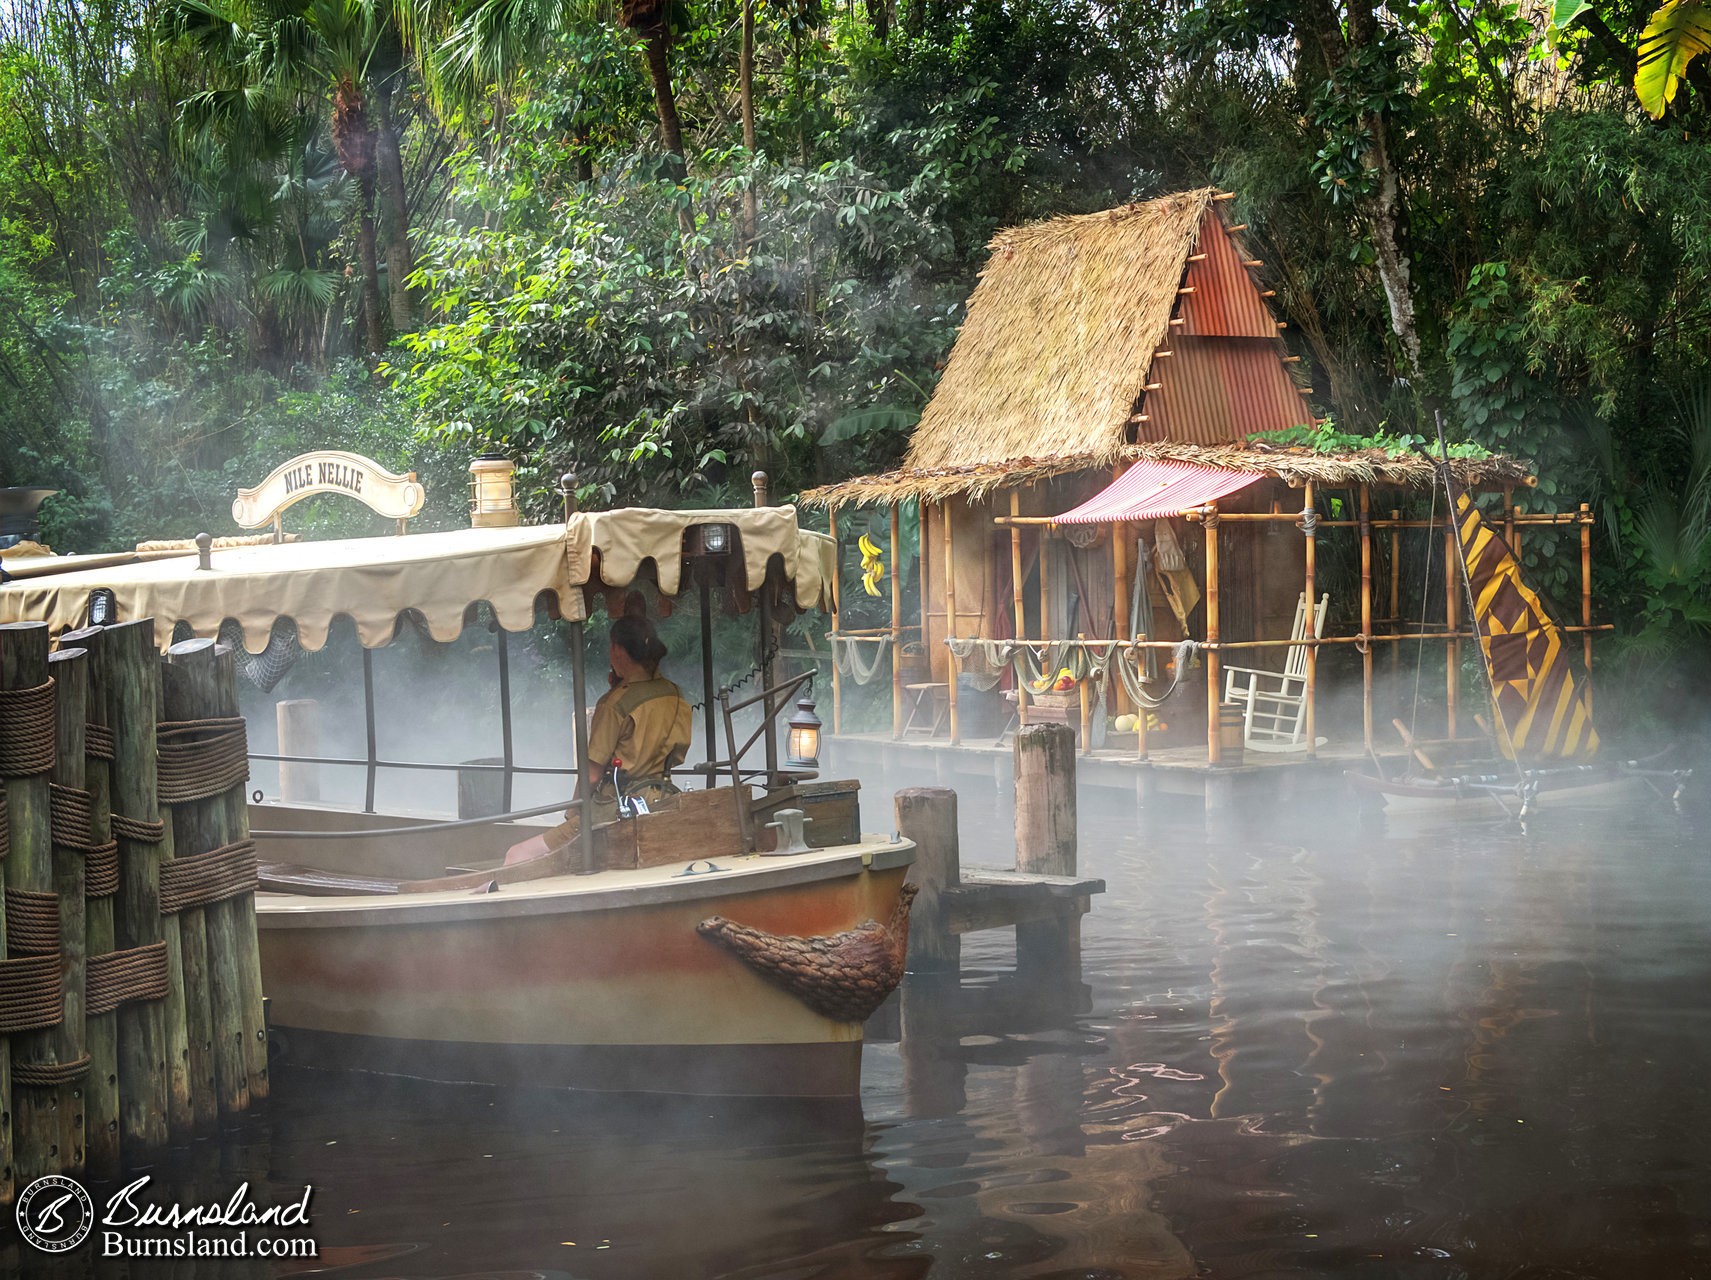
(398, 497)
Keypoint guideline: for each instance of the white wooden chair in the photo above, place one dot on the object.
(1275, 702)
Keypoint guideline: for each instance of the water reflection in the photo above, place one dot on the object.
(1434, 1052)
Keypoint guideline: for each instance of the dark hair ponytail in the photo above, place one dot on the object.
(637, 638)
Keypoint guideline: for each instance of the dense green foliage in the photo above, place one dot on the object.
(664, 244)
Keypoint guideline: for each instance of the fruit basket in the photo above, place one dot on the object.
(1055, 698)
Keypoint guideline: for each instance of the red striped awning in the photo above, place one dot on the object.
(1154, 490)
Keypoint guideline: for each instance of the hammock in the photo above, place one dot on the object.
(846, 656)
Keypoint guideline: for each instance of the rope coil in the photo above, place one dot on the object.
(27, 730)
(206, 878)
(98, 741)
(71, 814)
(137, 829)
(5, 824)
(101, 870)
(201, 759)
(124, 977)
(48, 1075)
(31, 997)
(32, 923)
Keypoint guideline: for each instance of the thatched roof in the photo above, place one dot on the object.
(1292, 464)
(1059, 337)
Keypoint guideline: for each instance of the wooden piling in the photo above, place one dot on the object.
(1043, 758)
(100, 1029)
(48, 1066)
(33, 1006)
(201, 690)
(299, 725)
(152, 1028)
(928, 816)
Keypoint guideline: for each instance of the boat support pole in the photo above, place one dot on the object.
(579, 708)
(507, 750)
(368, 719)
(707, 699)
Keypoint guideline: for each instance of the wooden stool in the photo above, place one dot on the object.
(939, 696)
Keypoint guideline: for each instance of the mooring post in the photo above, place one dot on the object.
(299, 723)
(210, 822)
(31, 917)
(150, 1031)
(1044, 760)
(928, 816)
(48, 1083)
(100, 881)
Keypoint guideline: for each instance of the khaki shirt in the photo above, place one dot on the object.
(644, 723)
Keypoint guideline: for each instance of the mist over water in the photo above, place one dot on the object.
(1308, 1048)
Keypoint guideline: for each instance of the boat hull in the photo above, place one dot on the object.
(597, 982)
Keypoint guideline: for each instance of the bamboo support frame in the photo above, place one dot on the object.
(1017, 602)
(896, 634)
(1452, 621)
(950, 619)
(837, 583)
(1214, 743)
(1309, 527)
(1366, 614)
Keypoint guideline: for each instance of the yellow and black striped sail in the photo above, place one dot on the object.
(1541, 711)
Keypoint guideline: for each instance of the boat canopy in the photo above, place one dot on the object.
(438, 577)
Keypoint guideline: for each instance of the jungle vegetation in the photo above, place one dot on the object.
(668, 241)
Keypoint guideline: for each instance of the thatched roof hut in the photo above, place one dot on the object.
(1106, 338)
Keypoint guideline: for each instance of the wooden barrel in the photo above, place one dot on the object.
(1231, 720)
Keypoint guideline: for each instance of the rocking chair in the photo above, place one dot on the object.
(1275, 718)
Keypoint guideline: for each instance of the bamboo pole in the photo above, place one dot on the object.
(950, 617)
(1452, 620)
(28, 868)
(1045, 590)
(1309, 521)
(1141, 713)
(897, 631)
(1214, 744)
(151, 1035)
(1366, 614)
(1120, 611)
(100, 1031)
(1016, 604)
(1395, 588)
(199, 685)
(1085, 698)
(1509, 517)
(837, 585)
(1586, 596)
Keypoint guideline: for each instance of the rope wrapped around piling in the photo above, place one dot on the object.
(31, 997)
(206, 878)
(124, 977)
(27, 730)
(5, 824)
(32, 923)
(101, 870)
(71, 814)
(138, 829)
(98, 741)
(48, 1075)
(201, 759)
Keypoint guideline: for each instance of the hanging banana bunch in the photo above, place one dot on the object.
(872, 566)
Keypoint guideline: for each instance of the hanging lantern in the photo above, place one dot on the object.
(492, 503)
(804, 742)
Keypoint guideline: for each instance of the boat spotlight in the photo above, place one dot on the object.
(710, 539)
(103, 609)
(805, 736)
(492, 505)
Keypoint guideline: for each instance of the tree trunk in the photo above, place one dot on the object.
(879, 18)
(746, 92)
(399, 264)
(376, 321)
(656, 47)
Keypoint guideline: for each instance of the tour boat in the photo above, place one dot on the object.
(713, 946)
